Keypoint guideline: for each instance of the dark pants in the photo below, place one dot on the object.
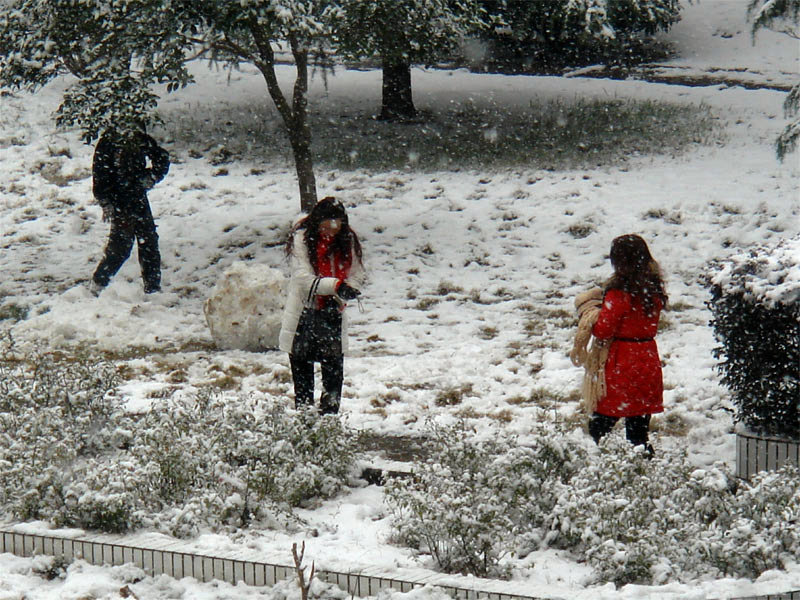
(125, 228)
(636, 428)
(332, 380)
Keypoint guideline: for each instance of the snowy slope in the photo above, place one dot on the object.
(472, 273)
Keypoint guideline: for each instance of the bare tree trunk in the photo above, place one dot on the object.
(304, 166)
(295, 116)
(300, 131)
(396, 101)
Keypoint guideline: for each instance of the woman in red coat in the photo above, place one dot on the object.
(632, 303)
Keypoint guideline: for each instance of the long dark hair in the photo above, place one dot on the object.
(635, 271)
(343, 246)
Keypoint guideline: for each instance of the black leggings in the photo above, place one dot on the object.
(332, 380)
(636, 428)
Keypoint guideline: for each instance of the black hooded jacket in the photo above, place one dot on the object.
(120, 173)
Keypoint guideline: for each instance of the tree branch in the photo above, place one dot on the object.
(298, 565)
(266, 64)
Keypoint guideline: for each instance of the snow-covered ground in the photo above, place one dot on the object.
(472, 276)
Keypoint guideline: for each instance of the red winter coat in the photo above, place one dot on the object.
(633, 370)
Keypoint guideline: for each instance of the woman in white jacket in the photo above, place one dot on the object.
(327, 271)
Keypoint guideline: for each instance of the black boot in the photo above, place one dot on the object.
(329, 403)
(600, 425)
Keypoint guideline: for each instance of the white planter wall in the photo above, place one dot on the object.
(755, 453)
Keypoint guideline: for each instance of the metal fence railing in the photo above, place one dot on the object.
(157, 556)
(787, 596)
(368, 581)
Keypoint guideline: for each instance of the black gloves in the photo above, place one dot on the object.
(346, 292)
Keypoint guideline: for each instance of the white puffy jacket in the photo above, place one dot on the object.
(303, 278)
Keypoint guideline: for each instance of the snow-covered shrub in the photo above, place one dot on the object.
(226, 461)
(244, 309)
(257, 456)
(531, 477)
(13, 311)
(100, 495)
(760, 531)
(56, 414)
(171, 454)
(69, 454)
(466, 504)
(53, 411)
(651, 521)
(450, 508)
(755, 302)
(49, 567)
(634, 520)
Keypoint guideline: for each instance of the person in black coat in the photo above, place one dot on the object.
(121, 178)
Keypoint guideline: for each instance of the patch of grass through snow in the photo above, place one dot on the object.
(555, 135)
(13, 312)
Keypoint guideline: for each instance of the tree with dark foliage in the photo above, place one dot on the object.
(403, 33)
(120, 51)
(549, 35)
(782, 16)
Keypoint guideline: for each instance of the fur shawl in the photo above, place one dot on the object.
(591, 357)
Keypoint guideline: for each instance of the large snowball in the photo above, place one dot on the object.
(245, 307)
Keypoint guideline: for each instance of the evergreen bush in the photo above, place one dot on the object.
(549, 36)
(472, 503)
(71, 455)
(53, 413)
(632, 519)
(450, 508)
(755, 303)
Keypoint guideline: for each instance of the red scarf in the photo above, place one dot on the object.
(334, 265)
